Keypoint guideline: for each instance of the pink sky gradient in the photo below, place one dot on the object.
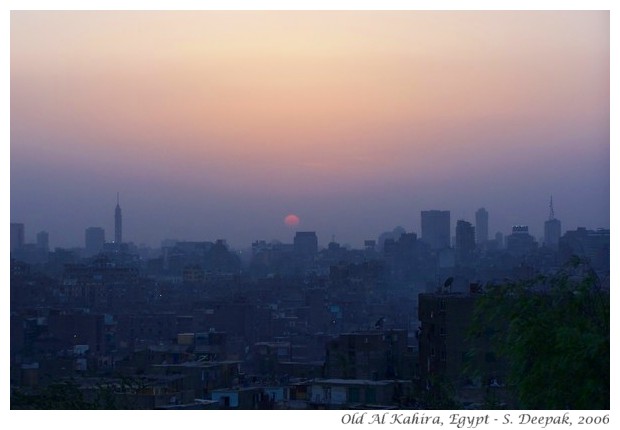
(355, 121)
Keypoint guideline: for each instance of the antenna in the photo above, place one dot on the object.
(117, 199)
(551, 215)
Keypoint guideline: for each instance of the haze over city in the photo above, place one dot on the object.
(219, 124)
(403, 212)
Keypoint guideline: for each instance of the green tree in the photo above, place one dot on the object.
(60, 395)
(554, 334)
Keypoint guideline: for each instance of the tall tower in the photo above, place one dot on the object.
(436, 228)
(482, 226)
(465, 241)
(553, 229)
(118, 223)
(17, 236)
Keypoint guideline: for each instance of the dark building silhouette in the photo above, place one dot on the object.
(370, 355)
(520, 242)
(436, 228)
(482, 226)
(196, 324)
(553, 229)
(465, 241)
(592, 245)
(118, 223)
(73, 329)
(306, 243)
(94, 239)
(43, 241)
(447, 349)
(17, 236)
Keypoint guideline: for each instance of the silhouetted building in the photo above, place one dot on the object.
(482, 226)
(306, 243)
(520, 242)
(553, 229)
(118, 223)
(436, 228)
(17, 236)
(370, 245)
(373, 355)
(355, 393)
(219, 259)
(465, 241)
(94, 239)
(593, 245)
(43, 241)
(74, 328)
(447, 349)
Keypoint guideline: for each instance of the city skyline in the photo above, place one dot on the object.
(178, 179)
(220, 124)
(447, 231)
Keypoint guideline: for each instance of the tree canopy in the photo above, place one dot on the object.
(554, 334)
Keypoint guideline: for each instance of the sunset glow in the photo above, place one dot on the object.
(363, 118)
(291, 220)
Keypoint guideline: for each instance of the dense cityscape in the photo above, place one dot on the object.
(395, 325)
(311, 210)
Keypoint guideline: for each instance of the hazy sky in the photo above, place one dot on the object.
(219, 124)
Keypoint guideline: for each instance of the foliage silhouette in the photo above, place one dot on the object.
(554, 333)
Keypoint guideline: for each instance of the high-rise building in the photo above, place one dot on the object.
(43, 241)
(465, 241)
(520, 242)
(482, 226)
(593, 245)
(446, 347)
(306, 243)
(553, 229)
(436, 228)
(17, 236)
(118, 223)
(94, 239)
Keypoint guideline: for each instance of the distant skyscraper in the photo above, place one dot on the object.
(436, 228)
(553, 229)
(465, 240)
(118, 223)
(520, 242)
(306, 243)
(43, 241)
(94, 239)
(17, 235)
(482, 226)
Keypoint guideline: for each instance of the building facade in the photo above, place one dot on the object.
(306, 243)
(94, 239)
(17, 236)
(436, 228)
(482, 226)
(465, 241)
(520, 242)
